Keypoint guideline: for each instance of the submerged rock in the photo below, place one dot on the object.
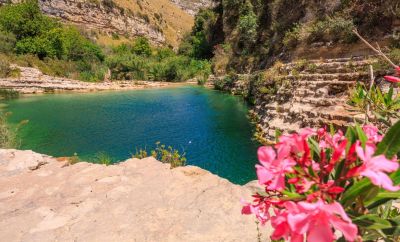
(135, 200)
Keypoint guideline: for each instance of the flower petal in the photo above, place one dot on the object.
(266, 155)
(320, 232)
(299, 222)
(263, 174)
(380, 179)
(392, 79)
(381, 163)
(349, 230)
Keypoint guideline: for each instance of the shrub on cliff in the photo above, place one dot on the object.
(25, 20)
(199, 43)
(7, 42)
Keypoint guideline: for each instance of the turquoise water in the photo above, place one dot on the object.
(209, 126)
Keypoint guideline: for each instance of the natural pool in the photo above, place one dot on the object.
(211, 127)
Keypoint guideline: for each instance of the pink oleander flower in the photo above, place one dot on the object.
(282, 229)
(375, 167)
(305, 176)
(397, 69)
(372, 133)
(392, 79)
(316, 221)
(260, 210)
(272, 170)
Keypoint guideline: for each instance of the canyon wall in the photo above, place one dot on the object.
(307, 93)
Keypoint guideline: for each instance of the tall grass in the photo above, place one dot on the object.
(8, 135)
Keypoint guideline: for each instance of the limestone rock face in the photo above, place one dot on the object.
(41, 199)
(99, 16)
(95, 15)
(310, 93)
(192, 7)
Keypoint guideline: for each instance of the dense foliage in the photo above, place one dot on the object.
(200, 42)
(26, 31)
(29, 38)
(137, 60)
(260, 32)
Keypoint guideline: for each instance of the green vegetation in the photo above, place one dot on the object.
(8, 94)
(29, 38)
(137, 60)
(6, 70)
(199, 44)
(163, 154)
(103, 159)
(261, 32)
(382, 107)
(8, 135)
(248, 24)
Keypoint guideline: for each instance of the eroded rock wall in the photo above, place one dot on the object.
(302, 94)
(97, 15)
(192, 6)
(105, 16)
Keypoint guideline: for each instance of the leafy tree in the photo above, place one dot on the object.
(141, 46)
(7, 42)
(25, 20)
(248, 23)
(199, 43)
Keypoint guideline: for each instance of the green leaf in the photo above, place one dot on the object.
(370, 194)
(389, 97)
(396, 177)
(278, 134)
(314, 146)
(390, 144)
(351, 137)
(361, 135)
(292, 195)
(356, 190)
(339, 169)
(331, 129)
(372, 221)
(381, 198)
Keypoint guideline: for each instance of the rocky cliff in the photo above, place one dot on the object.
(45, 199)
(161, 21)
(193, 6)
(305, 93)
(102, 15)
(253, 34)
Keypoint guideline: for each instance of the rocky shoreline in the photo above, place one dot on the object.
(45, 199)
(310, 93)
(33, 81)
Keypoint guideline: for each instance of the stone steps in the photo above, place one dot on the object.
(310, 93)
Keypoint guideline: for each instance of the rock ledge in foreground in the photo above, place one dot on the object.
(136, 200)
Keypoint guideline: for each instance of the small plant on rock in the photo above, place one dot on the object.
(103, 159)
(164, 154)
(168, 155)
